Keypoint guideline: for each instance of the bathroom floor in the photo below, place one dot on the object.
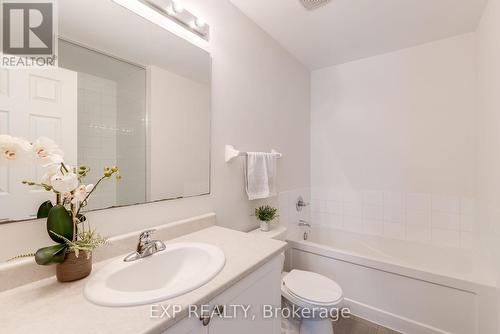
(355, 325)
(352, 325)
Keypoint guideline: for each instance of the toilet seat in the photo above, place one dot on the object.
(308, 289)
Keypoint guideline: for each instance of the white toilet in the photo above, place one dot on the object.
(314, 296)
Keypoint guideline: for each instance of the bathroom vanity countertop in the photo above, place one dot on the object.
(47, 306)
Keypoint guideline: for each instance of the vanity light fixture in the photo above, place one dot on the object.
(157, 11)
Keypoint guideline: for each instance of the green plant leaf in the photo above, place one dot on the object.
(266, 213)
(44, 209)
(60, 222)
(50, 255)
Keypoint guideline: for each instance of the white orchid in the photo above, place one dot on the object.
(81, 193)
(67, 183)
(52, 170)
(46, 152)
(13, 149)
(64, 181)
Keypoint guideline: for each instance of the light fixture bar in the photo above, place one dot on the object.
(172, 10)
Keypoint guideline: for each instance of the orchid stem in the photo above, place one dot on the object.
(90, 193)
(64, 167)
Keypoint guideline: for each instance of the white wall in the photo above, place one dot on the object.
(489, 130)
(260, 101)
(179, 117)
(393, 148)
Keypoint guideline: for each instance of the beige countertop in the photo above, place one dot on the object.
(47, 306)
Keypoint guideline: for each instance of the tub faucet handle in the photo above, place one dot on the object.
(300, 204)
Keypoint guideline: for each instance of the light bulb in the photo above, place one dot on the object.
(177, 7)
(170, 11)
(200, 23)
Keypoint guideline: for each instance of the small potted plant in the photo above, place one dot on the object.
(66, 221)
(266, 214)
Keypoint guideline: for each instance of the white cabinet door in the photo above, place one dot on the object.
(188, 326)
(263, 287)
(35, 103)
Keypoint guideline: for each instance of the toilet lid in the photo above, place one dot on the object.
(312, 287)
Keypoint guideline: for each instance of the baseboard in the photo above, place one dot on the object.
(390, 320)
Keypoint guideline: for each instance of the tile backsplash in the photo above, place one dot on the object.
(97, 142)
(418, 217)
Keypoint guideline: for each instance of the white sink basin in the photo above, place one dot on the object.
(177, 270)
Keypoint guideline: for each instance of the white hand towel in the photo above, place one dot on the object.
(260, 175)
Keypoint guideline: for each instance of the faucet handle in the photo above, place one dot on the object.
(145, 236)
(300, 204)
(146, 247)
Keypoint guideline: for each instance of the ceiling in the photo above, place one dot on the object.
(114, 30)
(346, 30)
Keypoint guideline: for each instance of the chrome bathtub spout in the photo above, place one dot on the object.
(303, 223)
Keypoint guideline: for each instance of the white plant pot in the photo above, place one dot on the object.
(264, 226)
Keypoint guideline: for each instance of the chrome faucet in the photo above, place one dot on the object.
(146, 247)
(303, 223)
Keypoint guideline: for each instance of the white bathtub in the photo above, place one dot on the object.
(410, 287)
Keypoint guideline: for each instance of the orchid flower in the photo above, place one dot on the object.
(81, 192)
(52, 170)
(46, 152)
(13, 149)
(64, 181)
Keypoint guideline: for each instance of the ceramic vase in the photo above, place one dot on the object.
(74, 268)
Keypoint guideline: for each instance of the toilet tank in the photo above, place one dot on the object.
(277, 232)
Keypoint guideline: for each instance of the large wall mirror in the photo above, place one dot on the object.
(128, 93)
